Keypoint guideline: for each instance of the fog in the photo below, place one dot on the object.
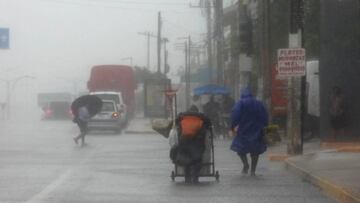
(57, 41)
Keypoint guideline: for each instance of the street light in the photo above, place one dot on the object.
(11, 88)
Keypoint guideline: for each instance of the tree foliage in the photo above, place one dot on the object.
(280, 23)
(312, 28)
(279, 26)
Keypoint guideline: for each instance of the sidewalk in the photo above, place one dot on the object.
(140, 125)
(333, 167)
(337, 173)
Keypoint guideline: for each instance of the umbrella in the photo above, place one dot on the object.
(211, 89)
(92, 102)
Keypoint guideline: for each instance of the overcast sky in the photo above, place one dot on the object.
(58, 41)
(64, 38)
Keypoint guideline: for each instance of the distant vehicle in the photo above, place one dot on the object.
(117, 98)
(109, 118)
(117, 78)
(312, 87)
(55, 105)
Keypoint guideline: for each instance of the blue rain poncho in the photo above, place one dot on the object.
(250, 118)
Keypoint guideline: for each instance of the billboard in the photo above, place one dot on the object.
(4, 38)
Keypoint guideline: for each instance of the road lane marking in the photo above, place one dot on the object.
(43, 194)
(51, 187)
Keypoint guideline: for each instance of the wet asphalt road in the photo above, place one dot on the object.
(40, 163)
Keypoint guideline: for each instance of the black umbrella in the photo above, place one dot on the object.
(92, 102)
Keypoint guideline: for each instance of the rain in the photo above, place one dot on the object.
(179, 101)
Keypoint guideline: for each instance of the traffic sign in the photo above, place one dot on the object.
(291, 62)
(4, 38)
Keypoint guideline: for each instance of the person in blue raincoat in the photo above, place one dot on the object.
(249, 118)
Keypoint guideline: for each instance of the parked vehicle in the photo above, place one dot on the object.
(55, 105)
(117, 78)
(117, 98)
(108, 118)
(312, 86)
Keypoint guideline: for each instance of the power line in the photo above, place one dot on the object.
(180, 27)
(140, 2)
(112, 3)
(104, 5)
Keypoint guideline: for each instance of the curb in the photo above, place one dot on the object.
(334, 191)
(349, 149)
(336, 145)
(139, 132)
(278, 157)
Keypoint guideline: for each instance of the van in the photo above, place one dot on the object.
(118, 100)
(108, 118)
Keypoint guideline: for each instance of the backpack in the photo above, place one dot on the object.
(190, 126)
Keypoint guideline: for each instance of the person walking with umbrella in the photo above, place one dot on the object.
(83, 109)
(249, 118)
(82, 122)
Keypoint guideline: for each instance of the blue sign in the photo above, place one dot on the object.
(4, 38)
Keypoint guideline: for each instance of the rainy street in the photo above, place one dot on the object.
(274, 80)
(40, 163)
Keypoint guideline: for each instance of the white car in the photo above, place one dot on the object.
(109, 118)
(119, 101)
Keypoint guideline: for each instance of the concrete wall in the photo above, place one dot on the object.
(339, 61)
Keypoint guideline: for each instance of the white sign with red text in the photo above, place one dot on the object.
(291, 62)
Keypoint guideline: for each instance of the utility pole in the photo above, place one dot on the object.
(188, 71)
(220, 40)
(148, 51)
(159, 43)
(209, 39)
(294, 117)
(165, 40)
(266, 53)
(187, 77)
(148, 35)
(207, 5)
(187, 47)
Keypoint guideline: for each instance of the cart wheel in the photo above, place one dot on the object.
(173, 176)
(217, 176)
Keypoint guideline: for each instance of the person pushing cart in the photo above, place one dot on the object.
(193, 151)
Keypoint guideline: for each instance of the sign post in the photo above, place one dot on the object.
(171, 96)
(291, 62)
(291, 65)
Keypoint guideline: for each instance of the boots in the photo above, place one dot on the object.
(254, 161)
(245, 162)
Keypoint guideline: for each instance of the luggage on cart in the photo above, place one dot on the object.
(195, 145)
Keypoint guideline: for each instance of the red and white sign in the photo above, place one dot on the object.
(291, 62)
